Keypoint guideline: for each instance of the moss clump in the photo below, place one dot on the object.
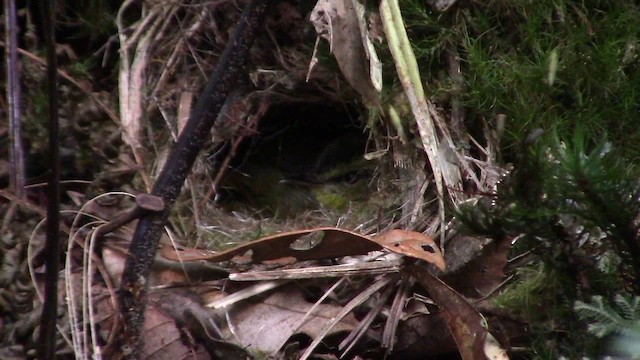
(339, 196)
(526, 296)
(538, 296)
(550, 63)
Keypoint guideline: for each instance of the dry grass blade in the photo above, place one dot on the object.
(84, 331)
(312, 310)
(408, 73)
(81, 332)
(246, 293)
(363, 268)
(352, 339)
(131, 79)
(390, 327)
(32, 272)
(356, 301)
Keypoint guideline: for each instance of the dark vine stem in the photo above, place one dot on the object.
(52, 246)
(133, 291)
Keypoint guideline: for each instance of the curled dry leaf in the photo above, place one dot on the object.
(413, 244)
(310, 244)
(315, 244)
(343, 24)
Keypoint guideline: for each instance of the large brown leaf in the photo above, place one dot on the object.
(310, 244)
(265, 324)
(318, 243)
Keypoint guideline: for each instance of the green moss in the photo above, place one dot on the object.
(506, 50)
(528, 295)
(539, 296)
(338, 196)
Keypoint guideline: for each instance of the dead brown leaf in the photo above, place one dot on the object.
(266, 324)
(484, 272)
(315, 244)
(163, 340)
(343, 24)
(310, 244)
(467, 325)
(413, 244)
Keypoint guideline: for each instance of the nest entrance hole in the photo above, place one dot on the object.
(303, 138)
(295, 146)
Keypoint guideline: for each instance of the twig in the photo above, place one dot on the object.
(169, 67)
(316, 272)
(250, 129)
(376, 307)
(23, 203)
(400, 300)
(144, 202)
(294, 329)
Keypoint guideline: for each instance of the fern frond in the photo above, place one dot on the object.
(604, 319)
(604, 190)
(629, 307)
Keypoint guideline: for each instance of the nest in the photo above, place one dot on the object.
(292, 119)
